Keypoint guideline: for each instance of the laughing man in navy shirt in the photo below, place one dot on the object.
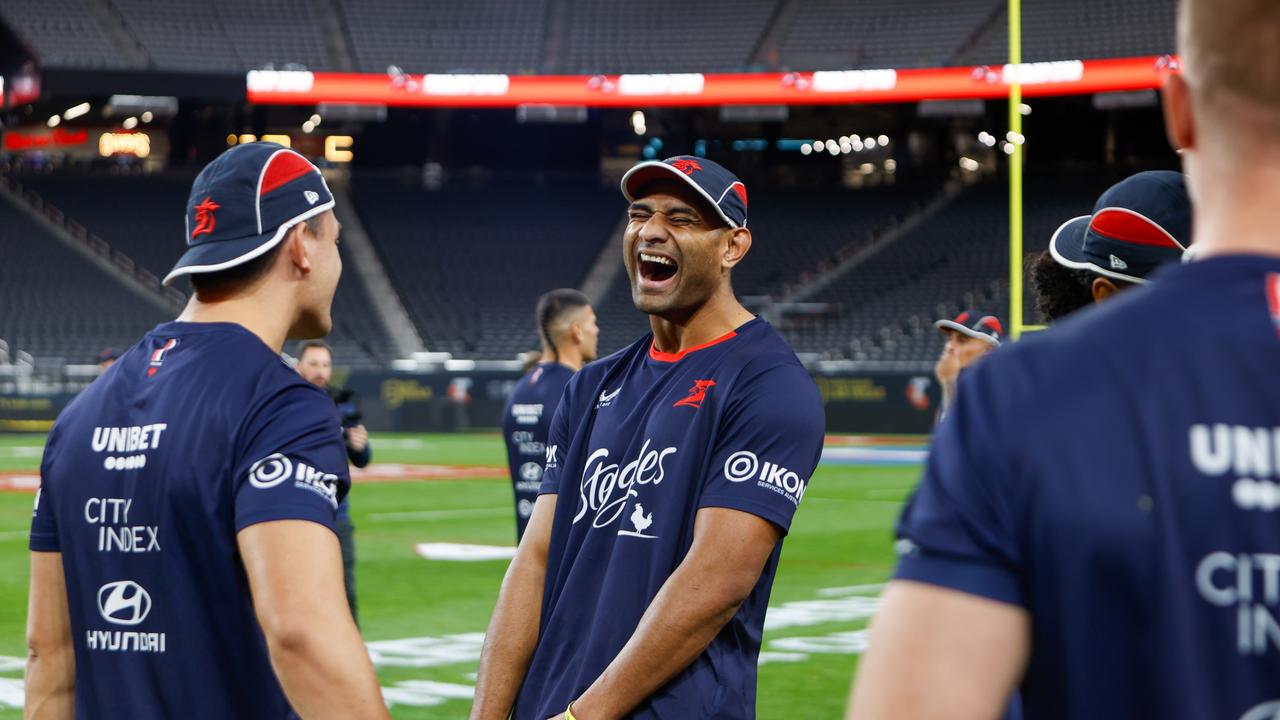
(673, 470)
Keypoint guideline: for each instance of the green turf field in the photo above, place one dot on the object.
(425, 619)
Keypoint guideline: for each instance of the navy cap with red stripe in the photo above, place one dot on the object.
(726, 193)
(975, 324)
(1139, 224)
(244, 202)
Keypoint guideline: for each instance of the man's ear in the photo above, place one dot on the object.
(736, 247)
(1179, 120)
(295, 248)
(1102, 289)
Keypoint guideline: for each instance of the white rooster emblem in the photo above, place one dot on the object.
(640, 520)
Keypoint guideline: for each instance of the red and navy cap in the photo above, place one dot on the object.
(244, 202)
(979, 325)
(1139, 224)
(721, 188)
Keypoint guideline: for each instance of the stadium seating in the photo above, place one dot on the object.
(1054, 30)
(62, 32)
(57, 304)
(615, 36)
(836, 34)
(472, 36)
(883, 310)
(469, 268)
(141, 216)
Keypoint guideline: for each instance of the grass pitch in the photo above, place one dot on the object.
(424, 620)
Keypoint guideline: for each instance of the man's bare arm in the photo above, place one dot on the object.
(295, 574)
(513, 629)
(51, 660)
(730, 549)
(937, 652)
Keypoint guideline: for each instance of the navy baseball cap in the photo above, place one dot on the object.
(244, 202)
(979, 325)
(726, 193)
(1139, 224)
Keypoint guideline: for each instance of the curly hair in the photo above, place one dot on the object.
(1059, 290)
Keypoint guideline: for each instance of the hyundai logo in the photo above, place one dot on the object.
(124, 602)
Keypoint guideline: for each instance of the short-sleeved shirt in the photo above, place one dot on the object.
(641, 442)
(526, 420)
(1119, 477)
(196, 433)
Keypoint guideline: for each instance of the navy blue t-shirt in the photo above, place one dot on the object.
(197, 432)
(1119, 477)
(525, 423)
(641, 441)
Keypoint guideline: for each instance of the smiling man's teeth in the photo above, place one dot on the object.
(656, 259)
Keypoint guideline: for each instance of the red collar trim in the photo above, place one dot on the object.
(660, 356)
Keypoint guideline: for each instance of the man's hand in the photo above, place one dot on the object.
(947, 369)
(357, 438)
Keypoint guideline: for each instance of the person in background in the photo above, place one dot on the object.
(567, 327)
(315, 365)
(970, 336)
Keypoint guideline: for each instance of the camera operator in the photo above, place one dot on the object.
(315, 365)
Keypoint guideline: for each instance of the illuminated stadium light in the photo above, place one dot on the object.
(969, 164)
(637, 123)
(857, 145)
(337, 148)
(891, 166)
(806, 149)
(1008, 148)
(248, 138)
(867, 168)
(1024, 109)
(832, 146)
(315, 119)
(987, 138)
(136, 144)
(308, 126)
(74, 112)
(231, 139)
(284, 140)
(1015, 138)
(54, 121)
(147, 116)
(129, 123)
(846, 147)
(855, 138)
(883, 140)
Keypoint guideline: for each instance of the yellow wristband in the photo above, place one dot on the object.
(568, 713)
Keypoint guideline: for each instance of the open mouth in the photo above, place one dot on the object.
(656, 269)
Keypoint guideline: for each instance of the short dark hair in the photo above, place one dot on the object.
(245, 274)
(314, 345)
(1061, 290)
(553, 306)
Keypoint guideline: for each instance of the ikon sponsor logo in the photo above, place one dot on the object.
(124, 602)
(607, 486)
(276, 468)
(745, 465)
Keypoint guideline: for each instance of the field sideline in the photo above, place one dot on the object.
(424, 619)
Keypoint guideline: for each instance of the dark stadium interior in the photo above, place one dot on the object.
(471, 213)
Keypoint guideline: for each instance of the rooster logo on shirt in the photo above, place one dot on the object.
(640, 520)
(696, 395)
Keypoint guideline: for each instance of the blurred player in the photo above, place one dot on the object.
(315, 365)
(183, 555)
(1101, 528)
(1138, 225)
(567, 326)
(106, 358)
(673, 470)
(970, 336)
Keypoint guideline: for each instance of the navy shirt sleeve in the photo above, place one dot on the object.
(558, 440)
(958, 530)
(44, 526)
(767, 446)
(293, 462)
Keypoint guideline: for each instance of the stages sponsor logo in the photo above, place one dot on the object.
(526, 414)
(606, 486)
(276, 468)
(1251, 454)
(745, 465)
